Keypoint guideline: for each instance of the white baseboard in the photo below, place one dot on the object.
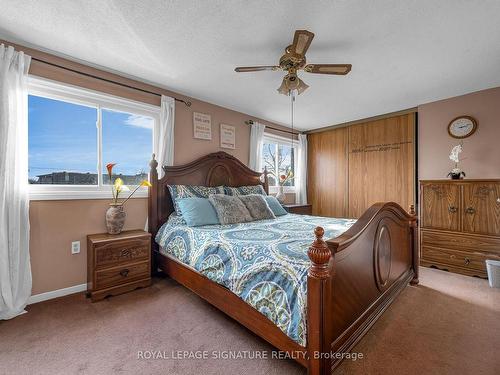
(56, 293)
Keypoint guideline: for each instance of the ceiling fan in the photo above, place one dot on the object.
(294, 60)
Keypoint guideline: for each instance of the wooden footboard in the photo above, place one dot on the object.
(353, 279)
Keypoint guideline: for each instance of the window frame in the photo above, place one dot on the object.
(273, 138)
(100, 101)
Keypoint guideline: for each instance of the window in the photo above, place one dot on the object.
(278, 157)
(74, 133)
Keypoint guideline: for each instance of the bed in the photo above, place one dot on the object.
(318, 284)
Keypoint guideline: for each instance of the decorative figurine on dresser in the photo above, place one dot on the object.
(460, 224)
(117, 263)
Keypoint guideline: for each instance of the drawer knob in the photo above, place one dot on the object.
(125, 253)
(470, 210)
(452, 209)
(124, 272)
(467, 261)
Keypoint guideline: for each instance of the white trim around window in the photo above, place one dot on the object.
(54, 90)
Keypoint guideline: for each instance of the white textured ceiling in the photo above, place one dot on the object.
(403, 52)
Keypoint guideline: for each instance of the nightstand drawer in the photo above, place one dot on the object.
(118, 275)
(118, 252)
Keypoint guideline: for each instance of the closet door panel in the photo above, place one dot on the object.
(327, 172)
(381, 163)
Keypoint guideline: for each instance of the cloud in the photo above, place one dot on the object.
(140, 121)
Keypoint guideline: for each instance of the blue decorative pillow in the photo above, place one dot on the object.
(197, 211)
(191, 191)
(275, 205)
(244, 190)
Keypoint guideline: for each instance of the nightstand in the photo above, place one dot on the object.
(301, 209)
(117, 263)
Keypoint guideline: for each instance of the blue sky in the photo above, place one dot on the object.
(63, 137)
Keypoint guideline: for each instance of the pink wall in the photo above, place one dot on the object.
(481, 150)
(187, 148)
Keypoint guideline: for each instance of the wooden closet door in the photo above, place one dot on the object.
(381, 163)
(482, 208)
(441, 206)
(327, 172)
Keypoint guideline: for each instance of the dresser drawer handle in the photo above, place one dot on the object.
(470, 210)
(467, 261)
(125, 253)
(452, 209)
(124, 272)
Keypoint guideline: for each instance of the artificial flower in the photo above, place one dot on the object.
(118, 184)
(145, 183)
(455, 151)
(109, 167)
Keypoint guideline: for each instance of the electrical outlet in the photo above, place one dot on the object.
(75, 247)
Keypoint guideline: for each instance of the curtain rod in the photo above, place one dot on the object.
(187, 103)
(250, 122)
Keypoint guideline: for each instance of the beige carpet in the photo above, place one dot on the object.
(450, 324)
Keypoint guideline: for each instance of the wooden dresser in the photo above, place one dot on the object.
(459, 224)
(117, 263)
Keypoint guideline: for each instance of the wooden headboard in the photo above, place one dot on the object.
(218, 168)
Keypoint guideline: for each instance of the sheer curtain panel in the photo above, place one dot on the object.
(15, 270)
(301, 174)
(256, 144)
(165, 136)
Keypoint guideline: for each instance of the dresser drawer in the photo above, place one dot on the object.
(118, 252)
(454, 258)
(118, 275)
(476, 243)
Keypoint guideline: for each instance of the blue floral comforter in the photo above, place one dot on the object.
(264, 262)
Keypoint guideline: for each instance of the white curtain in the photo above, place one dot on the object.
(15, 269)
(165, 137)
(301, 172)
(256, 144)
(164, 140)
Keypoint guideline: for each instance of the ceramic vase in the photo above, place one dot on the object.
(115, 218)
(281, 195)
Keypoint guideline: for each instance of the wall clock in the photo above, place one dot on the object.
(462, 127)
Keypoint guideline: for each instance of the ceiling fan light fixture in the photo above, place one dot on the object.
(301, 87)
(283, 89)
(292, 83)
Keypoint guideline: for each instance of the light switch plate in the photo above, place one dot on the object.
(75, 247)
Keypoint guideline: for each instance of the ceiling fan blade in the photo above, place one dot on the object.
(301, 42)
(242, 69)
(340, 69)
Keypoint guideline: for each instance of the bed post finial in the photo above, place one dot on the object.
(412, 210)
(319, 253)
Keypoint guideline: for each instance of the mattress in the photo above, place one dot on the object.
(263, 262)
